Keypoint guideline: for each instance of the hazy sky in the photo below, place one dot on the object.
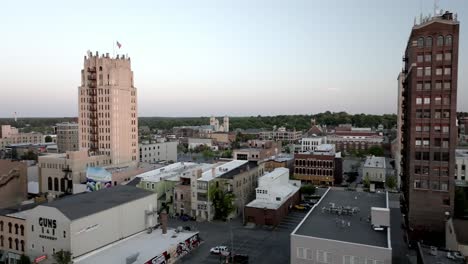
(236, 57)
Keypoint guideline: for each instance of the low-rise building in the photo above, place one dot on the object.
(456, 236)
(193, 143)
(156, 152)
(85, 222)
(59, 172)
(281, 160)
(344, 227)
(275, 196)
(324, 166)
(10, 135)
(375, 170)
(281, 134)
(309, 144)
(347, 138)
(257, 150)
(13, 183)
(67, 137)
(237, 176)
(461, 162)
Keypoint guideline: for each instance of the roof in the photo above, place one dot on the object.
(432, 255)
(17, 211)
(146, 245)
(173, 170)
(285, 191)
(218, 171)
(84, 204)
(461, 153)
(375, 162)
(461, 230)
(346, 228)
(239, 169)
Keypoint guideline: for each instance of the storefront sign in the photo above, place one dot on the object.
(40, 258)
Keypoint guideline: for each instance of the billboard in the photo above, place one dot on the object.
(97, 178)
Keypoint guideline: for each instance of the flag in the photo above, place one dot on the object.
(119, 45)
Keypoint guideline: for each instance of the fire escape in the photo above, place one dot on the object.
(93, 115)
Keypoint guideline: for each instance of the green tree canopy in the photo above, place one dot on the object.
(48, 139)
(391, 182)
(63, 257)
(223, 202)
(308, 189)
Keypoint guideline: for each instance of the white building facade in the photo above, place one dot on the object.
(309, 144)
(164, 151)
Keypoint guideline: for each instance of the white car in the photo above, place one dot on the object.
(219, 250)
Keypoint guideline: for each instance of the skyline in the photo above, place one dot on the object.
(236, 59)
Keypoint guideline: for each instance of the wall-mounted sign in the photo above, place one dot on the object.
(40, 258)
(49, 223)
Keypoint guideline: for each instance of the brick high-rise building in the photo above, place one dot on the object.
(67, 137)
(429, 132)
(108, 122)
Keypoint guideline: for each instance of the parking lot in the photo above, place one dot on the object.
(261, 244)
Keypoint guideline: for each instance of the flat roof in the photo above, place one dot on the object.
(437, 256)
(147, 246)
(375, 162)
(355, 228)
(80, 205)
(221, 170)
(173, 170)
(286, 192)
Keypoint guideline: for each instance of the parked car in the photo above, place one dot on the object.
(298, 207)
(220, 250)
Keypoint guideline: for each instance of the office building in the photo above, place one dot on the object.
(276, 194)
(344, 227)
(324, 166)
(108, 122)
(157, 152)
(429, 132)
(85, 222)
(347, 138)
(67, 137)
(10, 135)
(281, 134)
(309, 144)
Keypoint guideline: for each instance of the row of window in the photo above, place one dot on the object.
(439, 57)
(436, 171)
(437, 128)
(19, 244)
(427, 71)
(314, 163)
(436, 156)
(433, 185)
(64, 184)
(438, 113)
(438, 100)
(446, 85)
(326, 257)
(440, 41)
(314, 172)
(17, 227)
(262, 191)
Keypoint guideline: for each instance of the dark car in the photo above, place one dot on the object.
(241, 259)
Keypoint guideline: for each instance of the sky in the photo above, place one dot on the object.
(217, 57)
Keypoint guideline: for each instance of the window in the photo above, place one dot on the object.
(429, 42)
(418, 128)
(301, 253)
(420, 42)
(419, 72)
(278, 199)
(350, 260)
(64, 234)
(420, 58)
(427, 71)
(418, 100)
(428, 57)
(446, 101)
(323, 257)
(445, 129)
(417, 184)
(448, 40)
(427, 100)
(438, 100)
(437, 113)
(435, 185)
(440, 41)
(448, 56)
(439, 56)
(447, 85)
(419, 86)
(447, 71)
(446, 114)
(427, 86)
(439, 71)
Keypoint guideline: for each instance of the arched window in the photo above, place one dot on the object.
(440, 41)
(421, 42)
(16, 244)
(448, 40)
(1, 241)
(16, 229)
(1, 226)
(49, 184)
(9, 228)
(56, 185)
(22, 245)
(429, 42)
(10, 243)
(22, 230)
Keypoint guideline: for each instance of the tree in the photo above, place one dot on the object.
(63, 257)
(223, 202)
(24, 260)
(308, 189)
(391, 182)
(208, 153)
(287, 150)
(376, 151)
(30, 155)
(366, 181)
(226, 154)
(48, 139)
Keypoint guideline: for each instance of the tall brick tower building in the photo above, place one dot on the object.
(108, 121)
(429, 133)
